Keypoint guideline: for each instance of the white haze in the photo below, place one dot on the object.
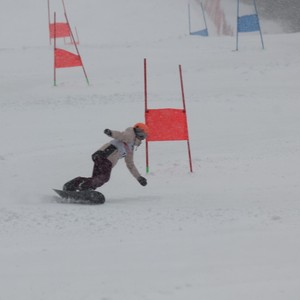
(229, 230)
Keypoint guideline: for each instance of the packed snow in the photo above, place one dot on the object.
(228, 230)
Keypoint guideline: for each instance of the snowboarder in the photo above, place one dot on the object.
(121, 146)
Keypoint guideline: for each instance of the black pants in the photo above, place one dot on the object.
(101, 174)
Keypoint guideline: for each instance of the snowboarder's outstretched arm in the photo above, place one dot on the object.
(126, 136)
(133, 170)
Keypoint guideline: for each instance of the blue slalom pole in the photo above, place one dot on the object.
(261, 37)
(237, 25)
(189, 13)
(204, 18)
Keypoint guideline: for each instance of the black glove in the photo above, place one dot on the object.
(108, 132)
(97, 155)
(142, 181)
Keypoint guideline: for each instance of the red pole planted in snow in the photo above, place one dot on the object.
(63, 2)
(146, 110)
(145, 84)
(190, 156)
(182, 89)
(184, 109)
(73, 40)
(54, 48)
(147, 157)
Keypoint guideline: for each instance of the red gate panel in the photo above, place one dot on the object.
(66, 59)
(166, 124)
(60, 30)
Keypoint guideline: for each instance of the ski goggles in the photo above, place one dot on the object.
(140, 134)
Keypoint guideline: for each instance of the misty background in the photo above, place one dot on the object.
(284, 12)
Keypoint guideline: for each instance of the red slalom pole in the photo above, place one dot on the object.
(63, 2)
(182, 89)
(54, 48)
(146, 110)
(73, 40)
(145, 85)
(184, 109)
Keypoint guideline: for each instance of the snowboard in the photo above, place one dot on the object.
(81, 197)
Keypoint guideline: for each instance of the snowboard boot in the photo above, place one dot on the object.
(85, 185)
(73, 185)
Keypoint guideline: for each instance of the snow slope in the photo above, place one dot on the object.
(230, 230)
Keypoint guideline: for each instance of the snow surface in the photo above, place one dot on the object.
(230, 230)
